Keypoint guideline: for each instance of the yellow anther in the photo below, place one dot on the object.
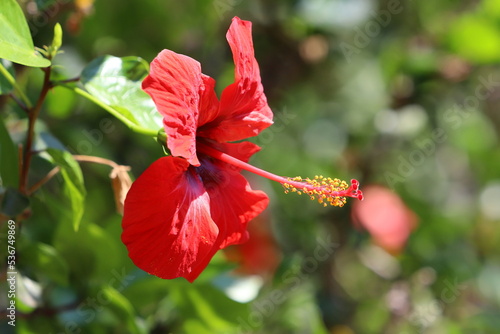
(325, 190)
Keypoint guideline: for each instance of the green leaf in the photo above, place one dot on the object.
(491, 8)
(60, 102)
(5, 86)
(210, 310)
(16, 44)
(46, 263)
(34, 324)
(117, 83)
(121, 308)
(90, 253)
(143, 292)
(9, 168)
(56, 41)
(475, 38)
(74, 188)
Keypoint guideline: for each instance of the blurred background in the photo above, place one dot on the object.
(402, 95)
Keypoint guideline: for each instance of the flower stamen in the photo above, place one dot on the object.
(325, 190)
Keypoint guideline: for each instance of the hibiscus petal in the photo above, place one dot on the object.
(209, 103)
(174, 83)
(243, 110)
(233, 203)
(241, 151)
(167, 224)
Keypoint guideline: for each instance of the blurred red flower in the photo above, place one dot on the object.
(260, 255)
(386, 217)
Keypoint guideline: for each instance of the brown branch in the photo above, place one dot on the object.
(46, 178)
(97, 160)
(66, 81)
(20, 161)
(120, 180)
(32, 117)
(19, 102)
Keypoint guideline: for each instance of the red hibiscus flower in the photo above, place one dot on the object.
(187, 206)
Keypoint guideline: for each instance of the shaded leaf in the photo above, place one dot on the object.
(117, 83)
(211, 310)
(121, 308)
(46, 262)
(89, 252)
(16, 44)
(9, 168)
(14, 203)
(74, 188)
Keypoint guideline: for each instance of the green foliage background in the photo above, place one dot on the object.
(357, 88)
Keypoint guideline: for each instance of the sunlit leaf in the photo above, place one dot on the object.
(491, 8)
(16, 44)
(476, 39)
(117, 82)
(74, 188)
(56, 41)
(60, 103)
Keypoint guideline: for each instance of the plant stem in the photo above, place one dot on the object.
(45, 179)
(81, 158)
(131, 125)
(14, 84)
(32, 117)
(19, 102)
(97, 160)
(60, 82)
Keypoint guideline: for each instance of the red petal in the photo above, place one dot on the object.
(243, 110)
(209, 104)
(167, 225)
(174, 83)
(233, 203)
(241, 151)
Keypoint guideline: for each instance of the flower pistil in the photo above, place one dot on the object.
(328, 191)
